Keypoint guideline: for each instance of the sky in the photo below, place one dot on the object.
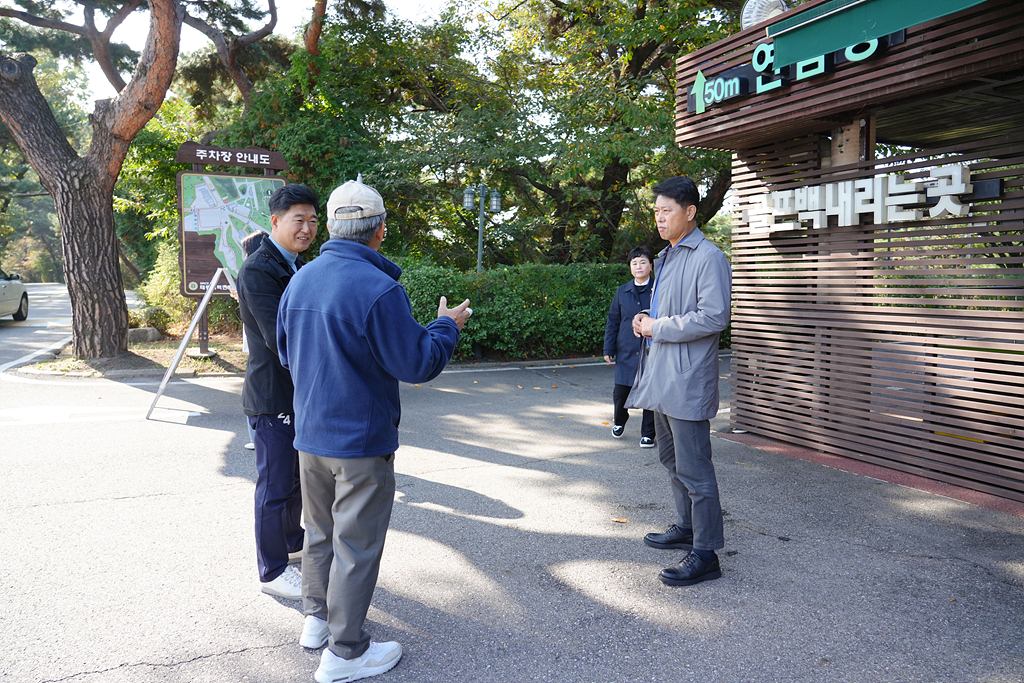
(290, 15)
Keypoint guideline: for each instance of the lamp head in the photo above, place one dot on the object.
(756, 11)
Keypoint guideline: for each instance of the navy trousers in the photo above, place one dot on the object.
(278, 493)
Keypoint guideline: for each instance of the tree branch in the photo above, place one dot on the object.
(99, 41)
(312, 40)
(229, 49)
(315, 28)
(127, 262)
(115, 123)
(42, 22)
(37, 135)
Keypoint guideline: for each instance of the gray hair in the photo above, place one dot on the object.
(359, 230)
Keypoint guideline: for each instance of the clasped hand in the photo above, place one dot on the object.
(643, 325)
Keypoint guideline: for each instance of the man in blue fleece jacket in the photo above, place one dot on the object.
(345, 331)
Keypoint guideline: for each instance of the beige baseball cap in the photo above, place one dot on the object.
(354, 200)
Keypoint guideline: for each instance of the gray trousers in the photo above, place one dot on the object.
(346, 504)
(684, 447)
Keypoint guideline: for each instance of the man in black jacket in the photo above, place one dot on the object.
(267, 394)
(622, 346)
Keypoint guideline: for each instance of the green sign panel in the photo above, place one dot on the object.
(840, 23)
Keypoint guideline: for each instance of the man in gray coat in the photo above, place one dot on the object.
(678, 379)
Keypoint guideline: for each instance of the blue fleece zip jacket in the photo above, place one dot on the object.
(345, 331)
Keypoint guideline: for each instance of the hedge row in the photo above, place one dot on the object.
(523, 311)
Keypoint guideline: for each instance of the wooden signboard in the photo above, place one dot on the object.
(217, 212)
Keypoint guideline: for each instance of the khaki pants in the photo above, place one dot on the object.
(346, 505)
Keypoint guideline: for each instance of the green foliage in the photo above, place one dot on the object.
(523, 311)
(163, 286)
(145, 197)
(574, 121)
(565, 108)
(149, 316)
(719, 231)
(207, 87)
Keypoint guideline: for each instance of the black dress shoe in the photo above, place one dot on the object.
(674, 537)
(690, 571)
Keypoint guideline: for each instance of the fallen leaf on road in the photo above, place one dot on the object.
(620, 520)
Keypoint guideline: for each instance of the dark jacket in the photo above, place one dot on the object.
(619, 340)
(346, 332)
(261, 282)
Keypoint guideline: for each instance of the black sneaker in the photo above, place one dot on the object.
(691, 570)
(646, 442)
(674, 537)
(617, 431)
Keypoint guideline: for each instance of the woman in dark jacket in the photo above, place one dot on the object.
(623, 347)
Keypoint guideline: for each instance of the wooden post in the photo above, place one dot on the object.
(204, 333)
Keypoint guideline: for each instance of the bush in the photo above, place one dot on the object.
(523, 311)
(150, 316)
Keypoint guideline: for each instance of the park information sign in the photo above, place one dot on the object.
(217, 212)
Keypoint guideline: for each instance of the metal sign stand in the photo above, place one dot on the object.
(200, 314)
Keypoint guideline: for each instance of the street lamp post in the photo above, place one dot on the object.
(490, 203)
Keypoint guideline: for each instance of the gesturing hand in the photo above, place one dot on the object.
(460, 314)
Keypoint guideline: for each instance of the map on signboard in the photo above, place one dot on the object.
(218, 211)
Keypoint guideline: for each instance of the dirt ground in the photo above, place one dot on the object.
(158, 355)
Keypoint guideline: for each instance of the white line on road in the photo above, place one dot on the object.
(524, 367)
(42, 322)
(35, 354)
(36, 415)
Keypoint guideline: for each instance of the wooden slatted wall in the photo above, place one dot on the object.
(899, 344)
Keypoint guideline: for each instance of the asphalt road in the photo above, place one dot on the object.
(514, 553)
(48, 323)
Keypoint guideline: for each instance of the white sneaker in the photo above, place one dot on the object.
(295, 558)
(288, 585)
(249, 446)
(314, 633)
(377, 659)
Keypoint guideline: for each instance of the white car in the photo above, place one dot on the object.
(13, 297)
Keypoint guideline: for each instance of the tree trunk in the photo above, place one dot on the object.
(714, 197)
(611, 205)
(91, 269)
(82, 187)
(128, 263)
